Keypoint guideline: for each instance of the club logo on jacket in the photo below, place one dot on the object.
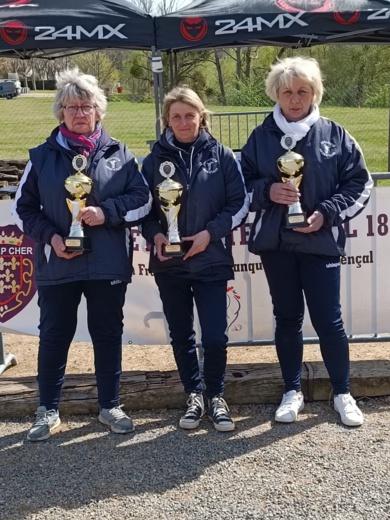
(113, 164)
(17, 286)
(327, 149)
(210, 166)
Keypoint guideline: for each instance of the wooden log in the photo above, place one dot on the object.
(245, 384)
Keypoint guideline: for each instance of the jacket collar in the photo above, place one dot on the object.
(166, 142)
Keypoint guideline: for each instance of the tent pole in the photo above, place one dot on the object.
(6, 360)
(171, 69)
(388, 137)
(175, 55)
(156, 96)
(157, 69)
(161, 83)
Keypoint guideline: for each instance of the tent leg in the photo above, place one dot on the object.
(157, 100)
(5, 360)
(160, 83)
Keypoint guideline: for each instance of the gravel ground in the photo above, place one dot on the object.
(313, 469)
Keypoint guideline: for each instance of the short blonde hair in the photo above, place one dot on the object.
(284, 71)
(73, 84)
(186, 95)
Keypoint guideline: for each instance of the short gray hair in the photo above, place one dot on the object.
(73, 84)
(284, 71)
(186, 95)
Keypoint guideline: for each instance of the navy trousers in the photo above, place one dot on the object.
(58, 305)
(291, 277)
(178, 295)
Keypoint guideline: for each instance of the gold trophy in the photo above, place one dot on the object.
(79, 186)
(290, 165)
(169, 193)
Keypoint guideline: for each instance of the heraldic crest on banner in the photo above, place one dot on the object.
(17, 286)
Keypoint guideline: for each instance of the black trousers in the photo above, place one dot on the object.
(58, 320)
(291, 277)
(178, 296)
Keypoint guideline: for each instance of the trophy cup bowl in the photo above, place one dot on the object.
(169, 193)
(79, 186)
(290, 165)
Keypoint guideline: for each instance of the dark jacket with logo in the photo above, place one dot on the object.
(335, 182)
(40, 210)
(213, 198)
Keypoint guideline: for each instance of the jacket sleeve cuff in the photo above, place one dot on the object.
(267, 189)
(325, 214)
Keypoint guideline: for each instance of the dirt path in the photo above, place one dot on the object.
(144, 357)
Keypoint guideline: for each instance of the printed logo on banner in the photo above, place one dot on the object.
(17, 286)
(193, 29)
(17, 3)
(233, 309)
(314, 6)
(347, 18)
(13, 32)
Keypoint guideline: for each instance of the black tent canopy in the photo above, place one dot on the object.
(53, 28)
(284, 23)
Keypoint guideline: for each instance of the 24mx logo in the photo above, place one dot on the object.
(78, 32)
(258, 23)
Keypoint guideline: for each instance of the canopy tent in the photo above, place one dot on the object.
(53, 28)
(285, 23)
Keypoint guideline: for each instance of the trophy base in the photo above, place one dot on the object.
(173, 250)
(296, 220)
(79, 244)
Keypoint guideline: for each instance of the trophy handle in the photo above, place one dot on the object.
(293, 181)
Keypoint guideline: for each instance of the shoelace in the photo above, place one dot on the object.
(118, 413)
(221, 409)
(42, 418)
(289, 400)
(193, 403)
(348, 403)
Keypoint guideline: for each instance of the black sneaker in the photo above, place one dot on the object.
(194, 413)
(220, 415)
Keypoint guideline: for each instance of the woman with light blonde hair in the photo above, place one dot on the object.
(306, 177)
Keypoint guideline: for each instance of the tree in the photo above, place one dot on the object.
(99, 65)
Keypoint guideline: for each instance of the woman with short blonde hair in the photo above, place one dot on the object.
(190, 228)
(284, 72)
(307, 177)
(186, 95)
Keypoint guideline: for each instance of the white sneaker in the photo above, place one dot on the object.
(291, 404)
(350, 413)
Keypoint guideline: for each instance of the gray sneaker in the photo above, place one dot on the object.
(116, 419)
(45, 422)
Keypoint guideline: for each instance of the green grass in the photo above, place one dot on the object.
(27, 121)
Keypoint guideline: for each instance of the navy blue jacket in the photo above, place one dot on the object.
(40, 210)
(335, 182)
(214, 198)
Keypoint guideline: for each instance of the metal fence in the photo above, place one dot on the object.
(27, 121)
(234, 128)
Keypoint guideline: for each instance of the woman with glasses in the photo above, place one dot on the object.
(79, 194)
